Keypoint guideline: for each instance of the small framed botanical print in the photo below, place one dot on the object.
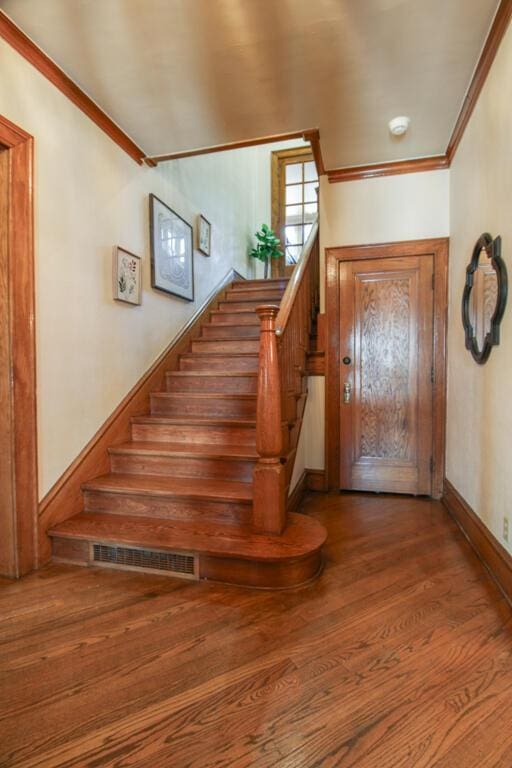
(204, 235)
(172, 251)
(127, 276)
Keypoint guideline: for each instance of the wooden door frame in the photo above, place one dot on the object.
(18, 435)
(438, 248)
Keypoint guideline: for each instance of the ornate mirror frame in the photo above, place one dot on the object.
(492, 338)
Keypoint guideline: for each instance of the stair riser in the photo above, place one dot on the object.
(194, 433)
(203, 408)
(263, 297)
(255, 293)
(138, 505)
(226, 345)
(241, 385)
(238, 318)
(245, 573)
(227, 306)
(224, 363)
(175, 466)
(230, 331)
(274, 284)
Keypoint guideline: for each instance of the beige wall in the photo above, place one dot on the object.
(90, 196)
(408, 207)
(479, 428)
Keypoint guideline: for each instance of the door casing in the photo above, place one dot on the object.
(18, 421)
(438, 249)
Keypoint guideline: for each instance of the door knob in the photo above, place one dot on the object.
(347, 392)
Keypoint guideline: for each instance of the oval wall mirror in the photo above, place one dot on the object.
(484, 298)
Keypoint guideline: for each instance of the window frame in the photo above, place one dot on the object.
(280, 159)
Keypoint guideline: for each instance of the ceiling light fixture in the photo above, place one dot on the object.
(399, 125)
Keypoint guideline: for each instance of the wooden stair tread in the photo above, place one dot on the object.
(219, 354)
(264, 299)
(207, 395)
(250, 337)
(211, 374)
(251, 312)
(191, 450)
(259, 281)
(302, 536)
(163, 485)
(193, 420)
(230, 323)
(257, 286)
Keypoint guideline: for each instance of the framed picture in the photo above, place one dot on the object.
(127, 276)
(204, 235)
(172, 252)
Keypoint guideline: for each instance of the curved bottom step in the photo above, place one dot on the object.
(230, 554)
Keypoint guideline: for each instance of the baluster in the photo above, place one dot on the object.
(269, 503)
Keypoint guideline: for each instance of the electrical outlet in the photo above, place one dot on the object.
(505, 528)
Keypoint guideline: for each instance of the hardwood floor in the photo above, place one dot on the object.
(400, 655)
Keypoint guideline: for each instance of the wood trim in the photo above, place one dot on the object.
(295, 498)
(29, 50)
(315, 363)
(231, 145)
(288, 300)
(438, 248)
(316, 480)
(485, 62)
(279, 160)
(395, 168)
(314, 139)
(438, 162)
(65, 498)
(310, 480)
(492, 554)
(18, 342)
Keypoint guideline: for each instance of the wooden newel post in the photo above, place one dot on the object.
(269, 503)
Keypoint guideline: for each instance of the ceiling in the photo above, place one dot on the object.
(178, 75)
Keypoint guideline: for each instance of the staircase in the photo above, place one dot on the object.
(179, 496)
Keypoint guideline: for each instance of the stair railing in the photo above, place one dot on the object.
(284, 343)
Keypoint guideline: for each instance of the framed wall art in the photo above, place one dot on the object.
(127, 276)
(172, 252)
(204, 235)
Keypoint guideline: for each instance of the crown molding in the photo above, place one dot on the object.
(26, 48)
(394, 168)
(314, 139)
(485, 62)
(29, 50)
(308, 135)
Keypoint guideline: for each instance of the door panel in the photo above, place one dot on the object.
(386, 313)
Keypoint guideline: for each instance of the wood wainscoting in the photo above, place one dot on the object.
(18, 426)
(64, 500)
(493, 555)
(436, 250)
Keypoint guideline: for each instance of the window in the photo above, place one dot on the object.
(295, 199)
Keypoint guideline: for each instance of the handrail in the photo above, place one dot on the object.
(292, 288)
(282, 388)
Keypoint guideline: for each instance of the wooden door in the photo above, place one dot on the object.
(386, 371)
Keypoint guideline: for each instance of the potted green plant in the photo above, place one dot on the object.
(267, 247)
